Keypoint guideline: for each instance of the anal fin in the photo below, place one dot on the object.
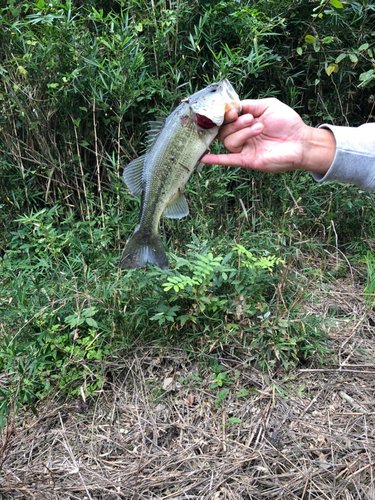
(177, 208)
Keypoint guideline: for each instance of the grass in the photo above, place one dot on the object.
(232, 364)
(65, 306)
(80, 84)
(212, 424)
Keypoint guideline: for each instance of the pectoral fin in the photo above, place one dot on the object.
(177, 208)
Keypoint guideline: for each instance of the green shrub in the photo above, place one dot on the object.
(63, 310)
(80, 81)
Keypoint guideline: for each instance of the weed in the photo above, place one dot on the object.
(79, 84)
(369, 291)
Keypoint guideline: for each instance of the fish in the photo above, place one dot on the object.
(174, 150)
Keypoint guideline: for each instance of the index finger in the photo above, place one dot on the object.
(226, 159)
(255, 107)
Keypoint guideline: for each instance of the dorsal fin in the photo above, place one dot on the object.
(132, 175)
(154, 130)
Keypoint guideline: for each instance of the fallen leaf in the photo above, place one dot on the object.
(169, 384)
(190, 399)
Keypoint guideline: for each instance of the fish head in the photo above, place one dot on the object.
(210, 104)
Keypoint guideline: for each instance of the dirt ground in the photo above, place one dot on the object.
(157, 431)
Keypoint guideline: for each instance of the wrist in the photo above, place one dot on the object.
(319, 149)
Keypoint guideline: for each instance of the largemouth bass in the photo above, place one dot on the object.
(174, 150)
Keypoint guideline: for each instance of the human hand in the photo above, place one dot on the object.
(271, 137)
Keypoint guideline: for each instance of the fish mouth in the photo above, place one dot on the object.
(204, 122)
(210, 104)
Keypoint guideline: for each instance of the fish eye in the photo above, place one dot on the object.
(213, 89)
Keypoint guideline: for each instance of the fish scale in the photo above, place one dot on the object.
(160, 175)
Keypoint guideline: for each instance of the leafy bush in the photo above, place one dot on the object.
(80, 81)
(64, 310)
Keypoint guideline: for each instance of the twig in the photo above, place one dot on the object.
(337, 370)
(98, 163)
(351, 401)
(83, 182)
(319, 393)
(356, 472)
(68, 448)
(224, 433)
(336, 243)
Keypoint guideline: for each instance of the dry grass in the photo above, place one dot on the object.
(155, 431)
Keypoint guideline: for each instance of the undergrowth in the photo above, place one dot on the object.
(80, 81)
(65, 308)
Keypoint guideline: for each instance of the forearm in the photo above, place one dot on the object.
(354, 157)
(319, 148)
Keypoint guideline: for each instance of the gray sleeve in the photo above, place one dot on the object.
(354, 161)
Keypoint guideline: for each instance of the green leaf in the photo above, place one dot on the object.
(364, 46)
(234, 420)
(283, 323)
(89, 311)
(242, 393)
(232, 326)
(353, 58)
(366, 78)
(336, 3)
(218, 368)
(92, 322)
(22, 71)
(310, 39)
(184, 318)
(299, 51)
(74, 320)
(368, 75)
(300, 390)
(283, 393)
(221, 395)
(340, 58)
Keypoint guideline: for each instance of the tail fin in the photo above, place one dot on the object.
(143, 249)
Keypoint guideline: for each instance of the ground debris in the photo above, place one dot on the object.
(128, 444)
(158, 431)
